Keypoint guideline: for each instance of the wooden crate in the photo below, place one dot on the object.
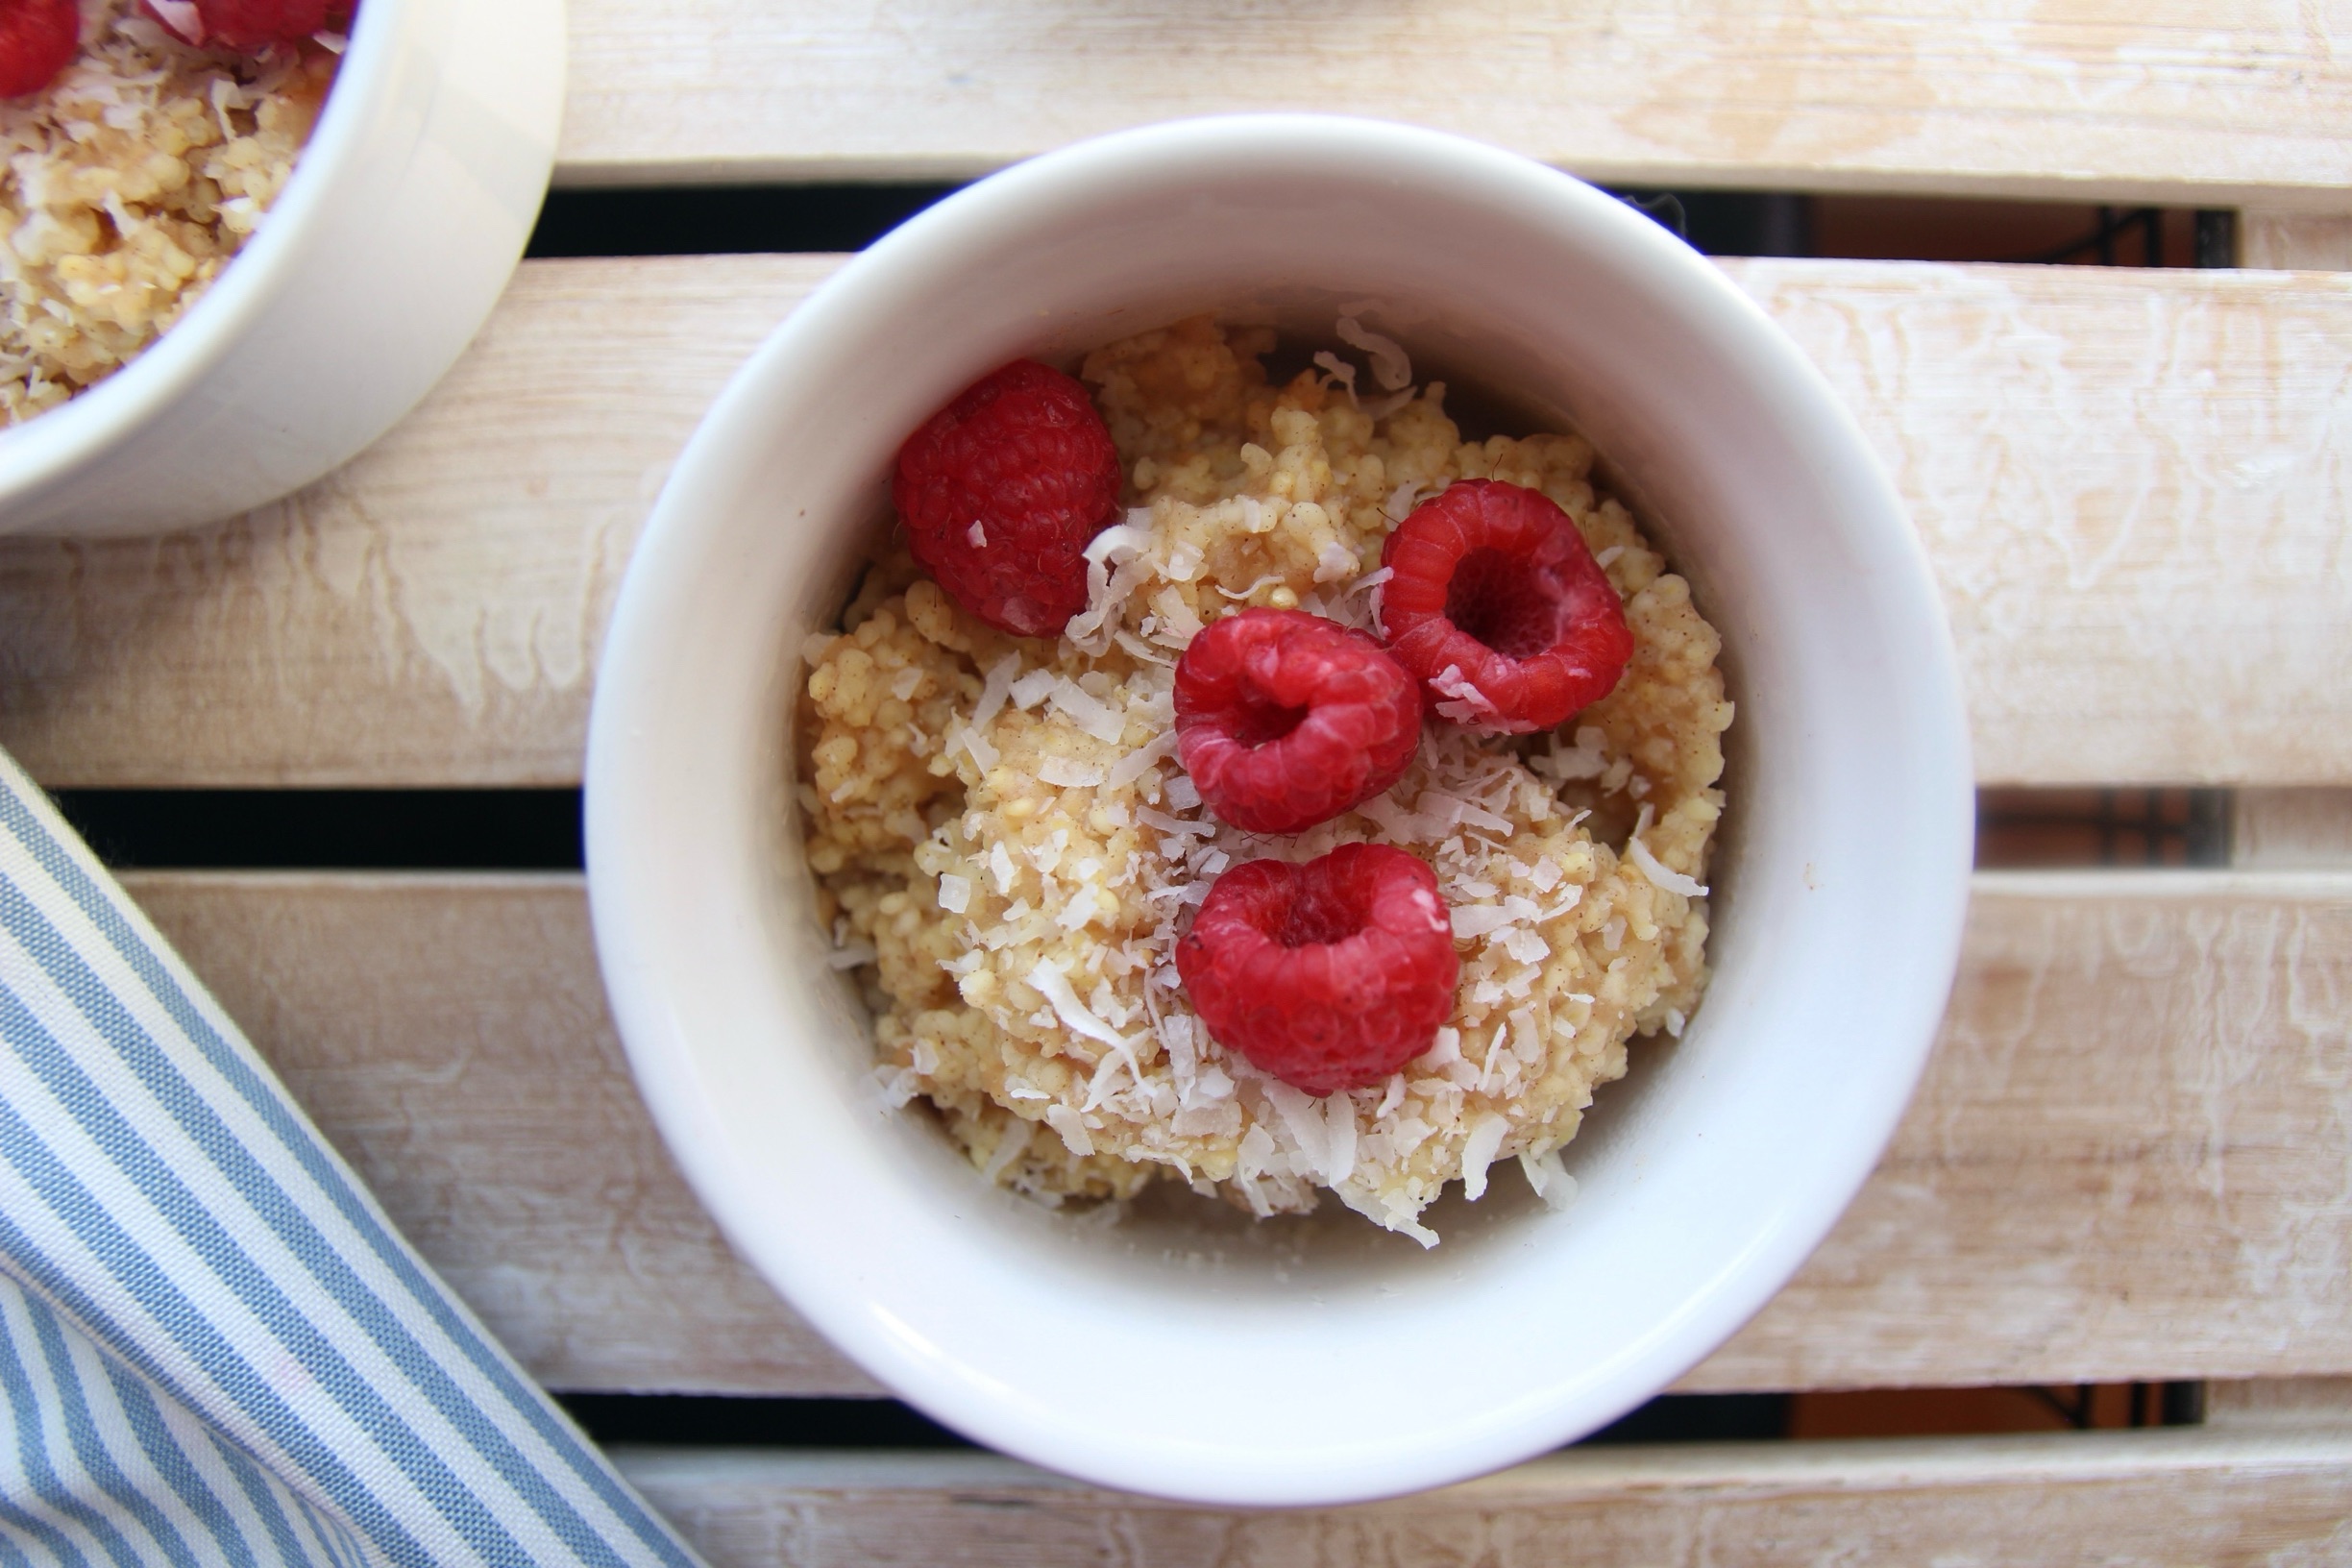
(2129, 1158)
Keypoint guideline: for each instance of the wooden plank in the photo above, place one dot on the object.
(2113, 1499)
(2173, 103)
(429, 613)
(2128, 1158)
(2128, 483)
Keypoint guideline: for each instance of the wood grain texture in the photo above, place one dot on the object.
(2131, 1155)
(2113, 1499)
(431, 612)
(2133, 486)
(2172, 102)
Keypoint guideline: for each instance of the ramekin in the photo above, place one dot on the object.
(1192, 1354)
(397, 232)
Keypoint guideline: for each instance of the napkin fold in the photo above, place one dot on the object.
(214, 1347)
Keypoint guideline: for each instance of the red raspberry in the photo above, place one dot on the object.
(1001, 490)
(1329, 975)
(37, 39)
(250, 25)
(1494, 582)
(1286, 720)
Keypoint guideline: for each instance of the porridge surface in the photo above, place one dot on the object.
(1007, 849)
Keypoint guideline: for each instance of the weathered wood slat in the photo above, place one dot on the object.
(2115, 1499)
(2174, 103)
(2128, 1158)
(2131, 484)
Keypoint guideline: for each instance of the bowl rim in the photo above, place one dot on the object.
(86, 427)
(665, 1070)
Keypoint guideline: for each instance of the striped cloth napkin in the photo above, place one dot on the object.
(214, 1347)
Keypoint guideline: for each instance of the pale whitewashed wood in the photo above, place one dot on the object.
(449, 1035)
(431, 612)
(2115, 1499)
(2135, 490)
(2131, 1155)
(2296, 241)
(2133, 486)
(2290, 830)
(2177, 103)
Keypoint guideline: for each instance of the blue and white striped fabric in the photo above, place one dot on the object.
(213, 1346)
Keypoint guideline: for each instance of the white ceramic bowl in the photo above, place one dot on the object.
(401, 225)
(1188, 1352)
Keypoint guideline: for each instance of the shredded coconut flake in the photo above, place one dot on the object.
(896, 1086)
(1478, 1151)
(1073, 1013)
(1467, 705)
(1011, 1144)
(1089, 713)
(1335, 562)
(1651, 867)
(1136, 763)
(1341, 371)
(1106, 590)
(1390, 365)
(1072, 1127)
(1069, 773)
(985, 755)
(994, 689)
(1550, 1179)
(1473, 920)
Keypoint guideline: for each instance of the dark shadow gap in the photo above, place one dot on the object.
(2052, 829)
(719, 220)
(408, 830)
(725, 220)
(731, 1421)
(539, 830)
(734, 1421)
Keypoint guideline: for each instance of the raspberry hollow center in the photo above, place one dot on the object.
(1254, 722)
(1501, 603)
(1321, 915)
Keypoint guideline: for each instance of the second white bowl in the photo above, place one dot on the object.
(402, 220)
